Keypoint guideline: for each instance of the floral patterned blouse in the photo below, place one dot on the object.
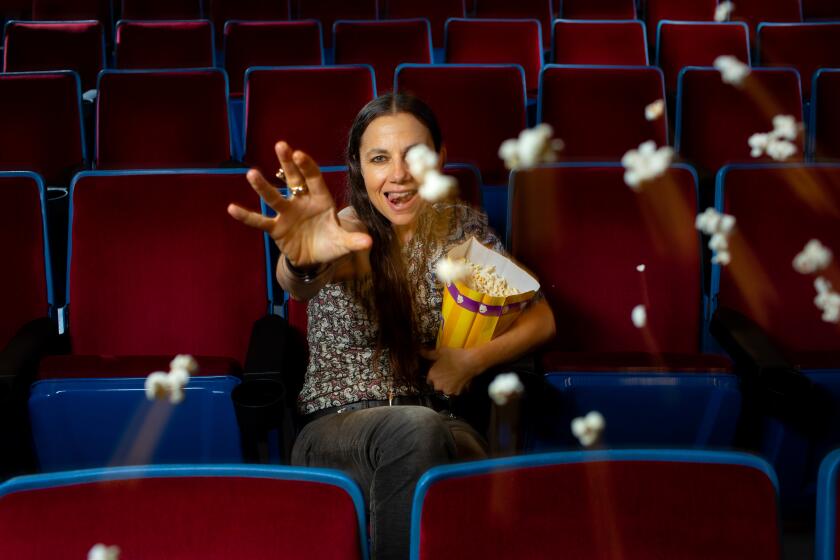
(342, 335)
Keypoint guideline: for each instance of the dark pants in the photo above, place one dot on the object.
(385, 450)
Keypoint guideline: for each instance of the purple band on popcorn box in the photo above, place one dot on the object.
(478, 307)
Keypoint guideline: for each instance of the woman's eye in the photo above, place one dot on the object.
(378, 159)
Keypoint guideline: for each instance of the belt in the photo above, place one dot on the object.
(420, 400)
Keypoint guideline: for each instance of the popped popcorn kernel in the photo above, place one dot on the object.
(724, 11)
(827, 300)
(102, 552)
(589, 429)
(646, 163)
(779, 142)
(533, 147)
(719, 227)
(449, 271)
(436, 186)
(160, 384)
(655, 110)
(813, 258)
(505, 386)
(732, 70)
(639, 316)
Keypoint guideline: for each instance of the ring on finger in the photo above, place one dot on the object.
(299, 190)
(281, 174)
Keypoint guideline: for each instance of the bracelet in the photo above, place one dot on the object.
(306, 274)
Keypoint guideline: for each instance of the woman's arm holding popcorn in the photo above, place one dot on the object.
(454, 368)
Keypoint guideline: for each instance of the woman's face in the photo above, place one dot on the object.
(390, 186)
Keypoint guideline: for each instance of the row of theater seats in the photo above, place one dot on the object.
(629, 504)
(80, 46)
(157, 268)
(186, 115)
(438, 11)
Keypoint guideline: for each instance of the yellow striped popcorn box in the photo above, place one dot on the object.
(471, 318)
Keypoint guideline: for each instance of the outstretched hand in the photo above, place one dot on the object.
(306, 228)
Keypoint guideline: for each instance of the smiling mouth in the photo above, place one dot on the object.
(400, 199)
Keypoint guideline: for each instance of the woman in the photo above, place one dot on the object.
(374, 310)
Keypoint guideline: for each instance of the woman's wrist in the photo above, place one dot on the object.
(308, 273)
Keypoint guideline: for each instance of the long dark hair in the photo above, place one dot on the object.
(393, 294)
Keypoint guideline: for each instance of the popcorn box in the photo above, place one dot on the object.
(471, 318)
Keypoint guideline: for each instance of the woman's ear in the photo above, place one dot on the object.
(442, 156)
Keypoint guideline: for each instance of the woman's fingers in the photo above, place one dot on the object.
(267, 191)
(357, 241)
(253, 219)
(294, 178)
(311, 173)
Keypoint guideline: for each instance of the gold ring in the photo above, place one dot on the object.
(294, 191)
(281, 174)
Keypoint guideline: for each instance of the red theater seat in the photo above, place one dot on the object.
(625, 504)
(35, 46)
(825, 116)
(46, 10)
(820, 9)
(382, 44)
(269, 43)
(599, 112)
(478, 107)
(715, 119)
(309, 116)
(497, 41)
(804, 46)
(436, 11)
(164, 44)
(25, 290)
(185, 512)
(681, 44)
(330, 11)
(160, 9)
(599, 42)
(686, 10)
(222, 11)
(143, 282)
(162, 118)
(524, 9)
(600, 9)
(753, 12)
(42, 125)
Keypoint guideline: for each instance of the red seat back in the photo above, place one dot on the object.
(309, 115)
(46, 10)
(681, 44)
(686, 10)
(583, 232)
(497, 41)
(361, 42)
(600, 506)
(222, 11)
(42, 125)
(436, 11)
(804, 46)
(825, 116)
(575, 101)
(269, 43)
(160, 9)
(599, 42)
(753, 12)
(277, 515)
(330, 11)
(779, 209)
(37, 46)
(602, 9)
(478, 107)
(164, 44)
(706, 106)
(159, 268)
(23, 289)
(162, 118)
(524, 9)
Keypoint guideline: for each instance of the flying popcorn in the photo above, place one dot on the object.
(102, 552)
(813, 258)
(160, 384)
(640, 268)
(421, 159)
(534, 146)
(732, 70)
(639, 316)
(719, 227)
(449, 271)
(505, 386)
(724, 10)
(588, 429)
(655, 110)
(778, 143)
(827, 300)
(89, 96)
(436, 186)
(646, 163)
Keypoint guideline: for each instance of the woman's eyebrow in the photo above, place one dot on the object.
(375, 151)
